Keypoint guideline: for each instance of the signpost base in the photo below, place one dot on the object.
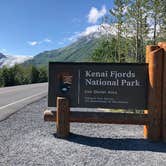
(62, 117)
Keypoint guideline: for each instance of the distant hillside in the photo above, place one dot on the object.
(79, 51)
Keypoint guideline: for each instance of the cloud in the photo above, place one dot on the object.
(94, 30)
(95, 14)
(46, 40)
(102, 29)
(89, 30)
(16, 59)
(34, 43)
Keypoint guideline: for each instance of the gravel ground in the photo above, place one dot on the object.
(26, 140)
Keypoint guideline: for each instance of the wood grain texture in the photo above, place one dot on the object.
(155, 60)
(101, 117)
(163, 45)
(149, 49)
(62, 117)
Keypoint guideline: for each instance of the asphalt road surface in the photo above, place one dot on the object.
(14, 98)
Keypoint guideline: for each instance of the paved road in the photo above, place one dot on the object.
(14, 98)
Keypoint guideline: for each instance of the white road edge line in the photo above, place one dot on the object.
(20, 88)
(18, 101)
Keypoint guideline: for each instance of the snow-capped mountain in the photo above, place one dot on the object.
(81, 48)
(10, 61)
(82, 45)
(96, 31)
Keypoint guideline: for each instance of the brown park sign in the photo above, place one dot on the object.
(105, 85)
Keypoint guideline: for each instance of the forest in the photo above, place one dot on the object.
(138, 23)
(19, 75)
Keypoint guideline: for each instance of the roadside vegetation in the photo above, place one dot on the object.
(19, 75)
(137, 23)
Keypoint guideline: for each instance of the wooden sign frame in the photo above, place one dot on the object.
(99, 85)
(154, 117)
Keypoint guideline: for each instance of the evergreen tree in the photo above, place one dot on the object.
(137, 22)
(119, 15)
(7, 76)
(1, 79)
(105, 51)
(34, 75)
(43, 77)
(18, 74)
(155, 15)
(158, 15)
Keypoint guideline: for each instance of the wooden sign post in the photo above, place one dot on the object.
(163, 45)
(62, 118)
(154, 58)
(149, 49)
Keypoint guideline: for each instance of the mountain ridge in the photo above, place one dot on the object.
(80, 50)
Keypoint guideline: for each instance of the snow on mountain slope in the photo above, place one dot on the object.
(96, 31)
(10, 61)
